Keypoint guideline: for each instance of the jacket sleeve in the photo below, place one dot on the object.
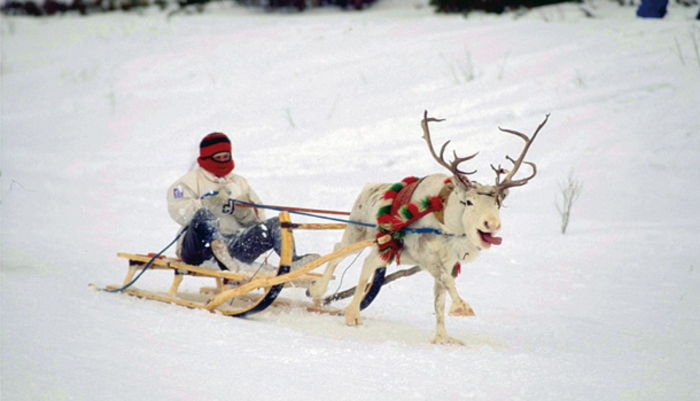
(254, 198)
(183, 202)
(248, 216)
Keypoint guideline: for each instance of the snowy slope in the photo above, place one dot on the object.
(101, 114)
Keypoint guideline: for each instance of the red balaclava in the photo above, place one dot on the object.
(212, 144)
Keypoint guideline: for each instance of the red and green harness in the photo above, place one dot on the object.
(397, 213)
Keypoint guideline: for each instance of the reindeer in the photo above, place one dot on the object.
(467, 224)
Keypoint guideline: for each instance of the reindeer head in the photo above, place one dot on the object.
(473, 208)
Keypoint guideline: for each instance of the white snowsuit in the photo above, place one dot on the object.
(184, 200)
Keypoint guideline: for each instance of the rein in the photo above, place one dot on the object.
(298, 209)
(317, 215)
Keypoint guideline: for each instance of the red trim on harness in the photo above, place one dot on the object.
(403, 196)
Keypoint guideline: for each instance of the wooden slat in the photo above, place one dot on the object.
(172, 300)
(224, 311)
(287, 251)
(325, 310)
(268, 282)
(159, 297)
(169, 263)
(177, 279)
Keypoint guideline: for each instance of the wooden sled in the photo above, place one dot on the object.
(242, 293)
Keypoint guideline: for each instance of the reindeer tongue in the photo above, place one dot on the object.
(487, 237)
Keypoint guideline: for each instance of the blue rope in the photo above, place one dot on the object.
(150, 262)
(157, 255)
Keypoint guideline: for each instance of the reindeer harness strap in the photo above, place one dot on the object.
(403, 197)
(396, 213)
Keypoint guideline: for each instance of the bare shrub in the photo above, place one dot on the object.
(570, 191)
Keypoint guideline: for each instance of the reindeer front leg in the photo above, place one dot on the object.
(352, 311)
(459, 306)
(441, 336)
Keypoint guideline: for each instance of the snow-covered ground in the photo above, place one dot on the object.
(101, 114)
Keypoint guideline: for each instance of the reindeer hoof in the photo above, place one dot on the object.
(461, 309)
(352, 318)
(316, 291)
(446, 340)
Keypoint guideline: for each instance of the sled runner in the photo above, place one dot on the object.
(245, 292)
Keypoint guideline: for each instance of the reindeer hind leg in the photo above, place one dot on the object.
(319, 287)
(352, 311)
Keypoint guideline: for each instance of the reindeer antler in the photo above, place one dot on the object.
(452, 166)
(508, 181)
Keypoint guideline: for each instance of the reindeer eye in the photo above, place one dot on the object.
(467, 203)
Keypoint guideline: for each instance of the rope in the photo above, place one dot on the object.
(423, 230)
(293, 211)
(278, 207)
(148, 265)
(342, 276)
(301, 209)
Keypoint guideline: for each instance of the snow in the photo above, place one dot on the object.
(101, 114)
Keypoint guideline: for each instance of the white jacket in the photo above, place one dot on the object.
(184, 199)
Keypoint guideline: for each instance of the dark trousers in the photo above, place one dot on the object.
(245, 245)
(652, 8)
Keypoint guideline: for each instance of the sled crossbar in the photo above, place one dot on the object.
(138, 261)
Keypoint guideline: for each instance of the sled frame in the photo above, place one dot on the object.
(268, 285)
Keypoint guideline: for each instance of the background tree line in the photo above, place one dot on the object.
(84, 7)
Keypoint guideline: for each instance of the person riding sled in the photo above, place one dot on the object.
(219, 228)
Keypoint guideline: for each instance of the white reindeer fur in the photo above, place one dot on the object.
(436, 254)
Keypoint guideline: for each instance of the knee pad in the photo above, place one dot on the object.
(204, 223)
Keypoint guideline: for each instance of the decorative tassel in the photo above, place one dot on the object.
(384, 210)
(390, 194)
(456, 270)
(425, 203)
(396, 187)
(406, 213)
(436, 203)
